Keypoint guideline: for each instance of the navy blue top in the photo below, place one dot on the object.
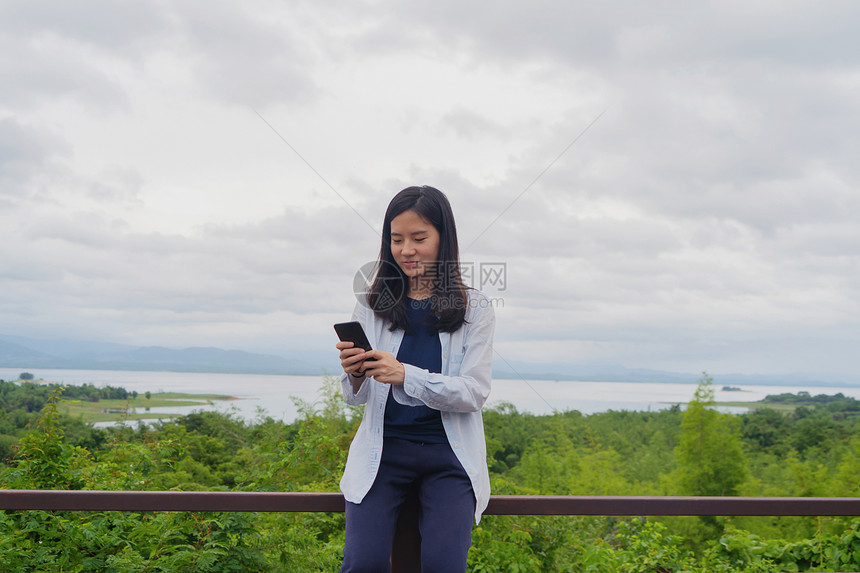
(420, 347)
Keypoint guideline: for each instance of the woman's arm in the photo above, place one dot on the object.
(467, 391)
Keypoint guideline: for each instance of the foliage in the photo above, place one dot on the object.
(806, 398)
(112, 541)
(710, 457)
(823, 552)
(812, 450)
(503, 544)
(45, 460)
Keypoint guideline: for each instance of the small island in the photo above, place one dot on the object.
(137, 408)
(113, 404)
(789, 402)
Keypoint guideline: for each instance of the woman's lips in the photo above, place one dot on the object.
(410, 264)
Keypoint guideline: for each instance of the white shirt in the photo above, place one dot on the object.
(459, 392)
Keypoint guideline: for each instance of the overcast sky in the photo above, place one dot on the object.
(213, 173)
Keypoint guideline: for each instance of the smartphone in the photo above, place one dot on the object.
(352, 332)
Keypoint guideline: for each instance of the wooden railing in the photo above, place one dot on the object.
(406, 554)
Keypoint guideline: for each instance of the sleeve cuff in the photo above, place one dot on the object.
(413, 384)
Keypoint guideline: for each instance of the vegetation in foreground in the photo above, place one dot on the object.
(812, 451)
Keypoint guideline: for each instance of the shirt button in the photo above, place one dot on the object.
(456, 446)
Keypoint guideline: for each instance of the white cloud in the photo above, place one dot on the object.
(704, 222)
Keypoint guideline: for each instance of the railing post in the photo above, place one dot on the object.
(406, 550)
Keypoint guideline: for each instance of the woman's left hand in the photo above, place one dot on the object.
(385, 368)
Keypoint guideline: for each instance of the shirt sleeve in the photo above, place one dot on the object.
(469, 389)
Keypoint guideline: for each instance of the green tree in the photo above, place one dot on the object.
(45, 460)
(709, 455)
(25, 376)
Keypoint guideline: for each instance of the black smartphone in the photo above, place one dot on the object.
(352, 332)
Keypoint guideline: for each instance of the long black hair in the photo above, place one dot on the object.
(387, 294)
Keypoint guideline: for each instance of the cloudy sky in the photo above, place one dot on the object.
(671, 185)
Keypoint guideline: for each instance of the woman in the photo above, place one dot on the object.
(424, 384)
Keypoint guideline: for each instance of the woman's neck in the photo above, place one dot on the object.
(419, 289)
(419, 295)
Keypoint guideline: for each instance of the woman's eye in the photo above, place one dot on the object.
(420, 240)
(395, 242)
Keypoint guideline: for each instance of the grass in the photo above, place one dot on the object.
(136, 408)
(780, 407)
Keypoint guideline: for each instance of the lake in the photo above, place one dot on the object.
(274, 394)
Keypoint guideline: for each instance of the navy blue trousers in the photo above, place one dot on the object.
(447, 509)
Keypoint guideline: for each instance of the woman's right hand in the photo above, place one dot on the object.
(351, 359)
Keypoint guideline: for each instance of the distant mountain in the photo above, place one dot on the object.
(613, 373)
(27, 353)
(194, 360)
(61, 348)
(16, 352)
(600, 373)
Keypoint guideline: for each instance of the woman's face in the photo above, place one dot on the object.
(415, 246)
